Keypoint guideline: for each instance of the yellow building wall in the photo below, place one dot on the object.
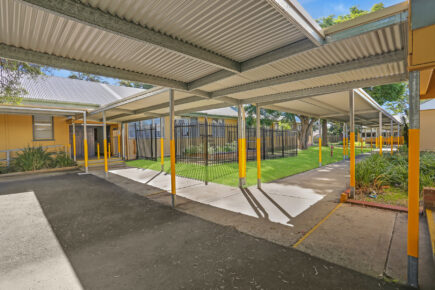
(427, 132)
(16, 131)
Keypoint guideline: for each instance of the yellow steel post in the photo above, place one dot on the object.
(413, 176)
(162, 145)
(109, 151)
(320, 143)
(119, 141)
(398, 137)
(258, 149)
(98, 151)
(344, 141)
(85, 141)
(241, 144)
(352, 143)
(74, 141)
(172, 145)
(106, 171)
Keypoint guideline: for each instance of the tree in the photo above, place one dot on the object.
(324, 132)
(11, 74)
(392, 96)
(137, 85)
(86, 77)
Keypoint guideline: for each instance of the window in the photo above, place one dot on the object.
(42, 127)
(218, 128)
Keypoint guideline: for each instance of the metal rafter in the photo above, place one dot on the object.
(338, 68)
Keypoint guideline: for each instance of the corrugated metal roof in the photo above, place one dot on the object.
(429, 105)
(238, 29)
(58, 89)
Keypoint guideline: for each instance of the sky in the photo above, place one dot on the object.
(316, 8)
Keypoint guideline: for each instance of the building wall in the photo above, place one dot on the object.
(16, 131)
(427, 136)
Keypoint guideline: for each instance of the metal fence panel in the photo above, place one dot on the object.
(146, 142)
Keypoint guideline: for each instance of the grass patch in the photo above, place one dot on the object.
(391, 195)
(272, 169)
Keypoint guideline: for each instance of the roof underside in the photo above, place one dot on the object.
(214, 53)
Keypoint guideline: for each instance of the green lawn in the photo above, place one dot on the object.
(270, 169)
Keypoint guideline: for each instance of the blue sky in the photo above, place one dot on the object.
(316, 8)
(323, 8)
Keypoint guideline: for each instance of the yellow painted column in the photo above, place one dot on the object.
(106, 169)
(119, 142)
(258, 148)
(109, 151)
(172, 145)
(381, 142)
(344, 141)
(162, 145)
(413, 177)
(242, 144)
(320, 143)
(85, 142)
(98, 151)
(74, 141)
(352, 143)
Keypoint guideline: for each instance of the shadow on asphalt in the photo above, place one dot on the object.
(115, 239)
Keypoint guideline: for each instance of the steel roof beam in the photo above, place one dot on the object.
(266, 58)
(21, 54)
(338, 68)
(311, 92)
(294, 12)
(94, 17)
(289, 110)
(346, 114)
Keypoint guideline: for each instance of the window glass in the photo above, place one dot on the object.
(42, 127)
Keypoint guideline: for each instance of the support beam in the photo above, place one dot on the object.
(311, 92)
(344, 141)
(258, 149)
(264, 59)
(85, 141)
(74, 141)
(352, 142)
(123, 140)
(21, 54)
(97, 18)
(381, 142)
(162, 144)
(320, 143)
(390, 57)
(241, 146)
(413, 177)
(106, 169)
(172, 145)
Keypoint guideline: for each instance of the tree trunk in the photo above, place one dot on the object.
(325, 132)
(304, 131)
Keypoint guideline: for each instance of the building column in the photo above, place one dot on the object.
(413, 176)
(352, 143)
(85, 141)
(106, 172)
(123, 140)
(241, 146)
(172, 144)
(162, 145)
(320, 143)
(258, 151)
(380, 134)
(74, 141)
(344, 141)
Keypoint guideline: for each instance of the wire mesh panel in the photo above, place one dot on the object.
(278, 143)
(146, 142)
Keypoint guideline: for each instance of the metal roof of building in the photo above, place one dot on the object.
(224, 112)
(47, 89)
(213, 53)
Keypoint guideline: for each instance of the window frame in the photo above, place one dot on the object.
(33, 130)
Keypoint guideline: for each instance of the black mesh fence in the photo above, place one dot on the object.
(146, 142)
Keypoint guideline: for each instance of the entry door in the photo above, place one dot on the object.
(79, 141)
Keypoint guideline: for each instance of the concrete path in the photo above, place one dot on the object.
(115, 239)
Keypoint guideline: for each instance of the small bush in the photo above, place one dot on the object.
(62, 160)
(32, 158)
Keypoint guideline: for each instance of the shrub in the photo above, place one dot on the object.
(32, 158)
(63, 160)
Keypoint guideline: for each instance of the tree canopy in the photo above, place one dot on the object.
(11, 74)
(86, 77)
(137, 85)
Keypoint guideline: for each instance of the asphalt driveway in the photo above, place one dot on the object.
(115, 239)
